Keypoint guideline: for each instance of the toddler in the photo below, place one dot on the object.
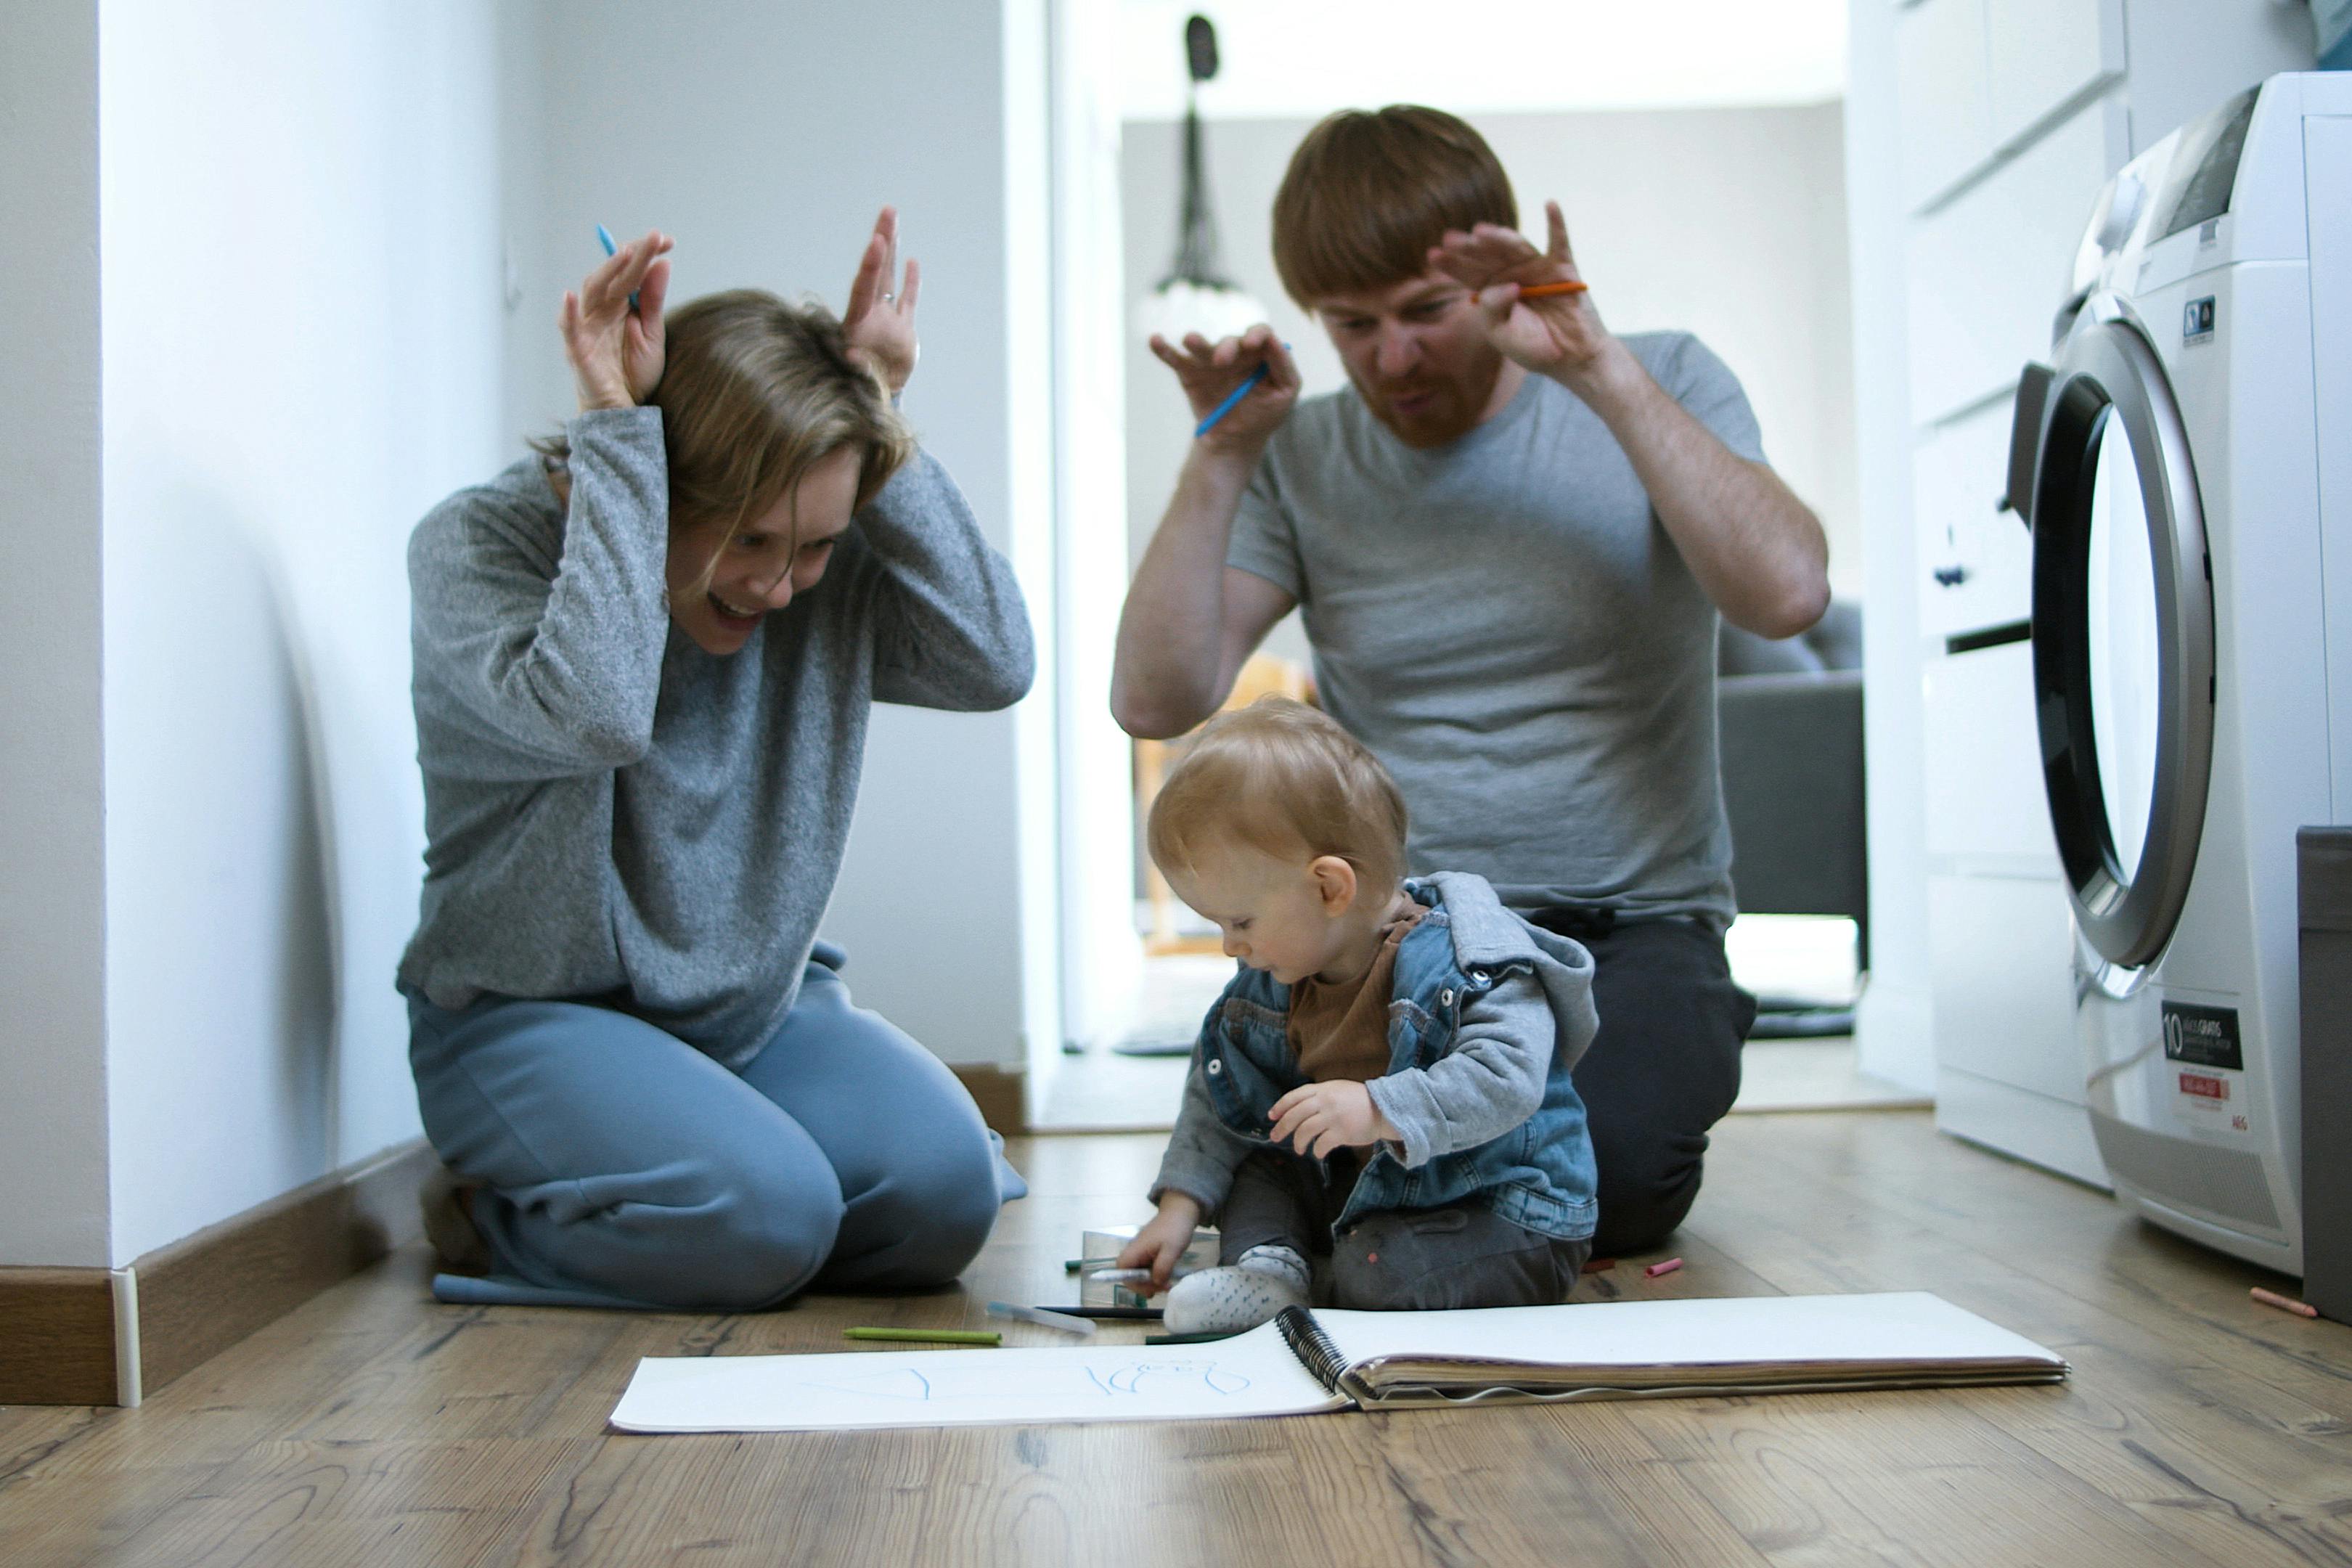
(1380, 1101)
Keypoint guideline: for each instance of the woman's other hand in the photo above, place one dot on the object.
(615, 346)
(879, 324)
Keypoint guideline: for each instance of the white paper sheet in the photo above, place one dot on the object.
(1251, 1374)
(1909, 1327)
(1257, 1373)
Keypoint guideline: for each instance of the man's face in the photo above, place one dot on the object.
(1418, 353)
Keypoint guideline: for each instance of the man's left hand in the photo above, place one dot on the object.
(1558, 335)
(1317, 1118)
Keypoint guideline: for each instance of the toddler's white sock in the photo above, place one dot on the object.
(1241, 1295)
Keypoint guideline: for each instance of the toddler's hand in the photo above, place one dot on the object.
(1163, 1239)
(1317, 1118)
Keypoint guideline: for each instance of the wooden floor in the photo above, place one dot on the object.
(374, 1427)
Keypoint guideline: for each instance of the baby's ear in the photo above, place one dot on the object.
(1335, 880)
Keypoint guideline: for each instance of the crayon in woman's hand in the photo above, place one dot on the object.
(604, 238)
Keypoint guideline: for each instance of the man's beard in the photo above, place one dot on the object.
(1452, 413)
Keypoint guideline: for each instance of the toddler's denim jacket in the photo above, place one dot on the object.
(1486, 1016)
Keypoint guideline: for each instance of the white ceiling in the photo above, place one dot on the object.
(1287, 59)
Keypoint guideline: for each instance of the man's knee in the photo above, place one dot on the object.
(1646, 1188)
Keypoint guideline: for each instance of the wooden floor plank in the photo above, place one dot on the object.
(2183, 1426)
(31, 1434)
(375, 1426)
(356, 1501)
(1895, 1477)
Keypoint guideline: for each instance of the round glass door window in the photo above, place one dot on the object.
(2124, 652)
(2123, 636)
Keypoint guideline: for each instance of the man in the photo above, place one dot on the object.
(1510, 537)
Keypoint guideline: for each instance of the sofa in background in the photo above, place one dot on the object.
(1791, 725)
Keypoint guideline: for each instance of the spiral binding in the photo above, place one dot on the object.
(1311, 1345)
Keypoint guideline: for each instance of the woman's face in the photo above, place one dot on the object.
(767, 561)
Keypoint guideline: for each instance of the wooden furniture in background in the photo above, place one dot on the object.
(1265, 675)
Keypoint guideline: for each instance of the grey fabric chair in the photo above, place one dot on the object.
(1790, 717)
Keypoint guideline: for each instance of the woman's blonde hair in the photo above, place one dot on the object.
(755, 391)
(1283, 778)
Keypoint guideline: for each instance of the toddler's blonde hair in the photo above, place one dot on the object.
(1287, 780)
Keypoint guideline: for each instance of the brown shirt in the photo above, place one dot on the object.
(1342, 1031)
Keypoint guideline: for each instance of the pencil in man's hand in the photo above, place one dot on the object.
(1546, 291)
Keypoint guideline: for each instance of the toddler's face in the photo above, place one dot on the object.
(1274, 914)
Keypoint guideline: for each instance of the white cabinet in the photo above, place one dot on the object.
(1946, 113)
(2043, 52)
(1986, 803)
(2003, 959)
(1975, 559)
(1989, 269)
(1981, 132)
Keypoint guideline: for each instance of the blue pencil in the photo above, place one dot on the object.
(604, 238)
(1238, 393)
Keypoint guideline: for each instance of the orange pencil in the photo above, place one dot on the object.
(1540, 290)
(2285, 1304)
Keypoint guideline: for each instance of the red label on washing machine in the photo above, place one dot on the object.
(2205, 1086)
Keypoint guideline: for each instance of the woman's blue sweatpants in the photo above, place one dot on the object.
(622, 1167)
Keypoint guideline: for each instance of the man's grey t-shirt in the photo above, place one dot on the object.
(1507, 625)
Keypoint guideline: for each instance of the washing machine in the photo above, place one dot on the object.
(2184, 464)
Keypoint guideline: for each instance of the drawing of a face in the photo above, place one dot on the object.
(1130, 1379)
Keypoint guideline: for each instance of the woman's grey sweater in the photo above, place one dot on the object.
(613, 815)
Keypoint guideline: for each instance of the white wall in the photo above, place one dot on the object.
(1895, 1022)
(1102, 954)
(52, 910)
(766, 138)
(1729, 223)
(1287, 57)
(301, 354)
(313, 219)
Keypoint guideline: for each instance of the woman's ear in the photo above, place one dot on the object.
(1335, 881)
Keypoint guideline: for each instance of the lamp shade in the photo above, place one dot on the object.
(1212, 310)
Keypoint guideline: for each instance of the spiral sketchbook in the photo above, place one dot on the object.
(1307, 1361)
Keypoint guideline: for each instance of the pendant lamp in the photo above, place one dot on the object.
(1196, 296)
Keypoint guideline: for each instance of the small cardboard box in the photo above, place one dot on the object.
(1101, 1249)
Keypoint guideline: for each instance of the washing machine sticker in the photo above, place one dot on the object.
(2206, 1058)
(2207, 1036)
(2197, 321)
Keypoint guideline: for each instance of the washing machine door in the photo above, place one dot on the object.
(2122, 633)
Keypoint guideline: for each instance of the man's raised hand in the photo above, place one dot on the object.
(1210, 372)
(1557, 335)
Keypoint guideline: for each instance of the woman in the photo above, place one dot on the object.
(644, 662)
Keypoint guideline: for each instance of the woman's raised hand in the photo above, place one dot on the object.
(879, 324)
(615, 346)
